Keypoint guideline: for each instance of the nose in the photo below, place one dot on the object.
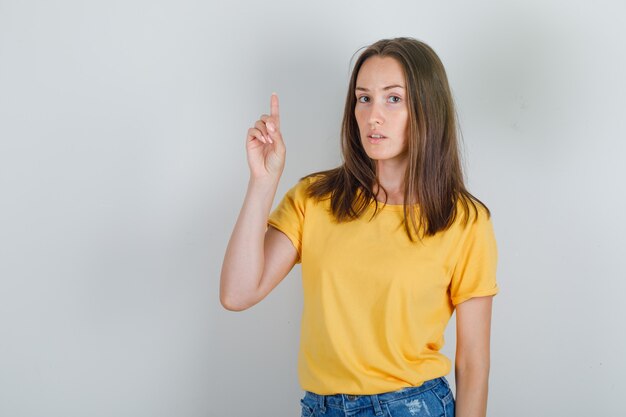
(376, 116)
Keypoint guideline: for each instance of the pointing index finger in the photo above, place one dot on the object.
(274, 105)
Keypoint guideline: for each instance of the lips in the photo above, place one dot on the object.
(375, 137)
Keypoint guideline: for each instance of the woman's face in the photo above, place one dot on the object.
(381, 108)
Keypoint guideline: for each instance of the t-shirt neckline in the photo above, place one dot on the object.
(382, 205)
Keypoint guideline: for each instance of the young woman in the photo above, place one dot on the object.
(390, 242)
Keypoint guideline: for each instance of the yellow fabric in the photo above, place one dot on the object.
(376, 304)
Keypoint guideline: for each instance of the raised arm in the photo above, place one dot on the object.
(257, 258)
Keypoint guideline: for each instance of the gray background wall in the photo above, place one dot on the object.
(123, 169)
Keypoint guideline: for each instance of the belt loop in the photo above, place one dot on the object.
(376, 404)
(322, 403)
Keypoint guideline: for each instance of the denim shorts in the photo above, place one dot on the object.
(431, 399)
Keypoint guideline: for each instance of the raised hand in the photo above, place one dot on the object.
(264, 145)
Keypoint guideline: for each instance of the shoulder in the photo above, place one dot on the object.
(474, 231)
(310, 179)
(471, 213)
(299, 192)
(303, 184)
(316, 184)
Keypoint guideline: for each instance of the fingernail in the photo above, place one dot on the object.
(270, 127)
(271, 141)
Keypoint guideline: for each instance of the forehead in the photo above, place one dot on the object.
(379, 71)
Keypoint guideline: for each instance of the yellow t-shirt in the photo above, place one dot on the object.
(376, 304)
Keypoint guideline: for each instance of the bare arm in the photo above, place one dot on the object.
(258, 258)
(473, 326)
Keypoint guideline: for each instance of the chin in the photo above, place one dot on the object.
(379, 153)
(379, 157)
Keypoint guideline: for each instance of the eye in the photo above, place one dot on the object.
(363, 99)
(394, 97)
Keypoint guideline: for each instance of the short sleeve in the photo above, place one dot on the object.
(475, 271)
(288, 216)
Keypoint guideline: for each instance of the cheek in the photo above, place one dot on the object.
(359, 120)
(403, 123)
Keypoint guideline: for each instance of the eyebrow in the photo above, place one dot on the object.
(385, 88)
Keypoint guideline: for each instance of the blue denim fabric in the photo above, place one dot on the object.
(431, 399)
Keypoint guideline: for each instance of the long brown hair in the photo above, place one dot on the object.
(434, 178)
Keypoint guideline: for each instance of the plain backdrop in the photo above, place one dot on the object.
(123, 170)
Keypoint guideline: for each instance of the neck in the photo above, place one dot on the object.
(390, 174)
